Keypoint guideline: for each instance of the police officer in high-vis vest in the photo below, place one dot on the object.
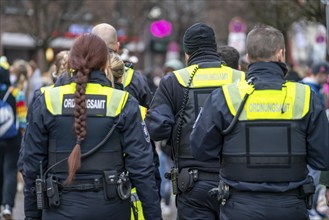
(175, 106)
(86, 145)
(132, 81)
(265, 133)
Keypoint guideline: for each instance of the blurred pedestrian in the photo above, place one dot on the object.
(61, 66)
(243, 62)
(318, 77)
(13, 122)
(97, 186)
(230, 56)
(35, 80)
(324, 180)
(18, 75)
(172, 65)
(173, 111)
(153, 77)
(292, 74)
(265, 133)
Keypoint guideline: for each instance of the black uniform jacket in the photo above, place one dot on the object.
(162, 115)
(139, 89)
(207, 140)
(135, 145)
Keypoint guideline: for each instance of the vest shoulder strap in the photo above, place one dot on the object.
(208, 77)
(143, 111)
(115, 99)
(292, 102)
(127, 77)
(43, 89)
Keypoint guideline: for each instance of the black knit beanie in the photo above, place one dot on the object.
(199, 36)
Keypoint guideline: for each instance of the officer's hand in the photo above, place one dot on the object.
(327, 195)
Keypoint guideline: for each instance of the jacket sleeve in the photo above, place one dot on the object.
(36, 94)
(139, 89)
(160, 118)
(317, 136)
(35, 150)
(206, 137)
(139, 158)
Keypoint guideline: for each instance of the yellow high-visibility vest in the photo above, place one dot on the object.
(208, 77)
(127, 77)
(291, 102)
(43, 89)
(115, 99)
(143, 112)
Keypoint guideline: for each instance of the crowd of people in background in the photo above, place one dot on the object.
(25, 77)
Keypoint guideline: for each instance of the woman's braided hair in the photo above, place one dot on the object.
(89, 52)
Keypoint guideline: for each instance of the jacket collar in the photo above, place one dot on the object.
(202, 55)
(99, 77)
(267, 75)
(95, 77)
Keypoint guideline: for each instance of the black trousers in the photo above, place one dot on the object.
(9, 151)
(263, 207)
(88, 205)
(197, 204)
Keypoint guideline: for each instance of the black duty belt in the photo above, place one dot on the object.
(264, 159)
(293, 192)
(202, 175)
(84, 185)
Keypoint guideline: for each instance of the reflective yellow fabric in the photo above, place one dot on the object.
(143, 111)
(127, 77)
(292, 102)
(137, 205)
(116, 99)
(43, 89)
(208, 77)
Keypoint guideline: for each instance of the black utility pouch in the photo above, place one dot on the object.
(54, 200)
(110, 184)
(307, 191)
(185, 180)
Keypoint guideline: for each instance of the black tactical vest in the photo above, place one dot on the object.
(204, 82)
(268, 143)
(103, 105)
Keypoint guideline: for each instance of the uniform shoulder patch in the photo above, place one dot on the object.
(146, 133)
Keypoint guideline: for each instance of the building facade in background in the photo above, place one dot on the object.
(29, 28)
